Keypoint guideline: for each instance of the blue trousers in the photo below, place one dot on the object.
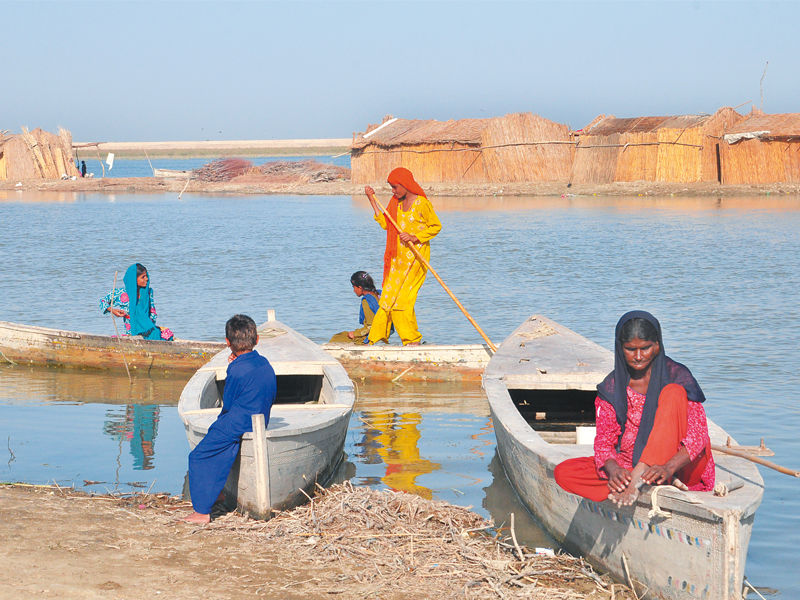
(209, 466)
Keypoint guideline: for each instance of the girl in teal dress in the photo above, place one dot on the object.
(134, 303)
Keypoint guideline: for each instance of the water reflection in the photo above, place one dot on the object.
(138, 425)
(393, 438)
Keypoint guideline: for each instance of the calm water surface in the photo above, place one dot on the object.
(721, 275)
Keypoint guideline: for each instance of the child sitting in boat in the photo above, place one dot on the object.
(250, 388)
(651, 426)
(141, 319)
(364, 288)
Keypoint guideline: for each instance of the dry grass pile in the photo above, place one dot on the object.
(385, 543)
(295, 172)
(223, 169)
(277, 172)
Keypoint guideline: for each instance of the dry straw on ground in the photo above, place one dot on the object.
(390, 543)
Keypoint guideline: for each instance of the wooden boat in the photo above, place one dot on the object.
(28, 344)
(541, 388)
(429, 362)
(39, 345)
(171, 174)
(304, 441)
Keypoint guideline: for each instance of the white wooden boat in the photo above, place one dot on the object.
(171, 174)
(541, 385)
(304, 441)
(28, 344)
(426, 362)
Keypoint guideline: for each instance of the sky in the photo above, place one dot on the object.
(117, 71)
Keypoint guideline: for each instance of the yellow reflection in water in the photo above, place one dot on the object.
(394, 437)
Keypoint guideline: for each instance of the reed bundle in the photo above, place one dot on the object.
(771, 158)
(37, 154)
(680, 149)
(517, 147)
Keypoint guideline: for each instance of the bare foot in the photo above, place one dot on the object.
(197, 517)
(631, 493)
(412, 344)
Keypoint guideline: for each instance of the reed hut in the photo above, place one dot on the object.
(681, 149)
(762, 149)
(36, 155)
(516, 147)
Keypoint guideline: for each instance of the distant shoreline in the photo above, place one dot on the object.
(345, 188)
(206, 149)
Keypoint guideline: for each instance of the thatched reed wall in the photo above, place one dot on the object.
(517, 147)
(762, 149)
(680, 149)
(37, 155)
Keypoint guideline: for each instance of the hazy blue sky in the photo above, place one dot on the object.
(150, 71)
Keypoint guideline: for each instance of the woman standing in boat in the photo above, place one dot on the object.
(134, 303)
(403, 275)
(651, 426)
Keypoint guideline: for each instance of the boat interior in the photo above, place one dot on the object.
(292, 389)
(556, 414)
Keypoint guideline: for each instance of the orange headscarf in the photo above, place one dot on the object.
(404, 177)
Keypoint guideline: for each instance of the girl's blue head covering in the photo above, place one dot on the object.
(138, 302)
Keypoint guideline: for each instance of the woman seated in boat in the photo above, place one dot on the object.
(364, 288)
(651, 426)
(134, 303)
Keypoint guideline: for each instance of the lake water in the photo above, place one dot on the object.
(722, 275)
(141, 167)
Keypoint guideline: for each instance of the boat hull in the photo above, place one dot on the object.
(426, 362)
(27, 344)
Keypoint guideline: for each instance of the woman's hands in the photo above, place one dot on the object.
(657, 475)
(408, 238)
(619, 478)
(118, 312)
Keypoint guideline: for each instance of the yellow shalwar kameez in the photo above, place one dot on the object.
(406, 274)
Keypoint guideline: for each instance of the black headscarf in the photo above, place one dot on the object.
(664, 370)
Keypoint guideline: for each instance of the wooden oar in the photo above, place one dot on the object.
(756, 459)
(119, 341)
(427, 265)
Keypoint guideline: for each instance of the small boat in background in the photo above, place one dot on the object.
(171, 174)
(31, 345)
(303, 444)
(541, 387)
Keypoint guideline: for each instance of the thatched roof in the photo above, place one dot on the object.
(765, 127)
(611, 125)
(405, 132)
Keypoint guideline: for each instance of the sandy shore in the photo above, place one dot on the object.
(638, 188)
(61, 544)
